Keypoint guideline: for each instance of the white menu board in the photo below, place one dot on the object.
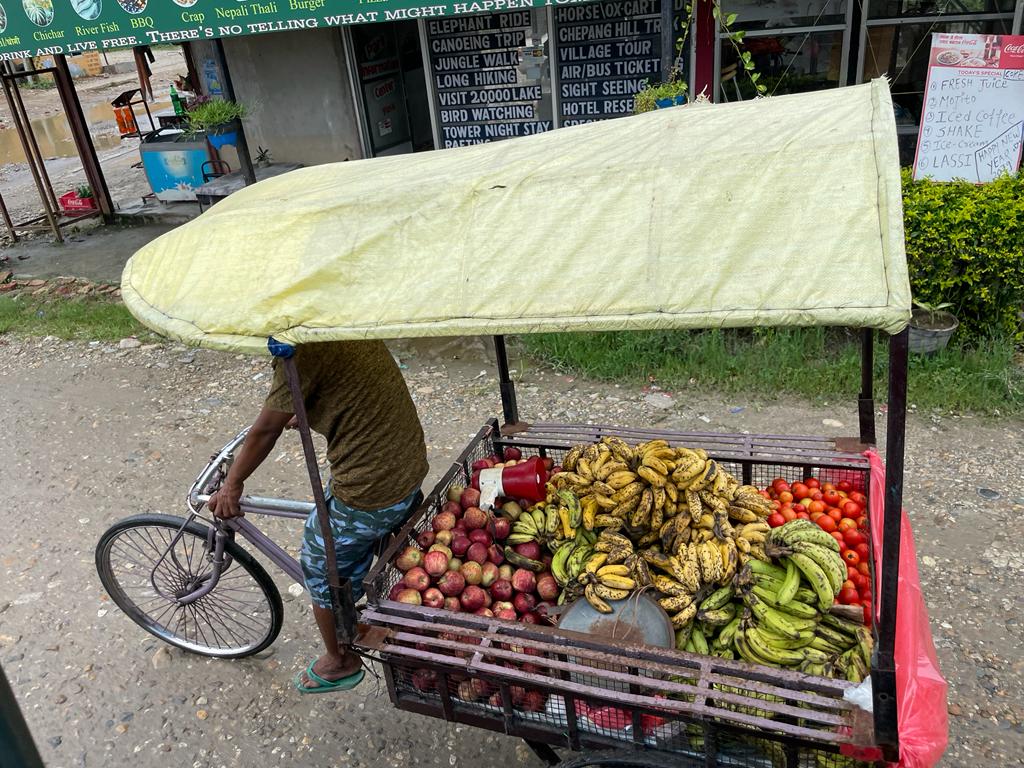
(972, 122)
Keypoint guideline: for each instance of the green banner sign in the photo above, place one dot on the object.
(47, 27)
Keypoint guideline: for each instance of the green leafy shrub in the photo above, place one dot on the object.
(212, 113)
(965, 246)
(647, 99)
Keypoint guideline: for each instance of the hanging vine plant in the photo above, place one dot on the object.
(673, 90)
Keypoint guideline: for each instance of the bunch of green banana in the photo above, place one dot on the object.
(815, 554)
(529, 526)
(570, 556)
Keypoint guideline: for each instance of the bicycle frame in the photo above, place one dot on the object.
(221, 530)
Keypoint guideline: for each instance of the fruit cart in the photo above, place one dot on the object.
(461, 242)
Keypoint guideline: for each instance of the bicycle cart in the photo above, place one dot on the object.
(581, 229)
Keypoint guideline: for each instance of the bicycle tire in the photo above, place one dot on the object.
(621, 759)
(167, 525)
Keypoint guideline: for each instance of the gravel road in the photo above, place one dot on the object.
(93, 433)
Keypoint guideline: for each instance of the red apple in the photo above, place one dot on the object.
(393, 594)
(454, 564)
(508, 614)
(534, 701)
(501, 605)
(469, 498)
(524, 602)
(455, 492)
(460, 544)
(495, 554)
(477, 553)
(425, 539)
(512, 453)
(475, 518)
(440, 548)
(472, 599)
(488, 574)
(484, 612)
(452, 604)
(410, 596)
(511, 510)
(417, 578)
(547, 587)
(435, 563)
(425, 680)
(482, 464)
(529, 618)
(524, 580)
(530, 549)
(411, 557)
(502, 527)
(460, 527)
(505, 572)
(451, 583)
(432, 598)
(481, 536)
(443, 537)
(453, 507)
(444, 521)
(501, 589)
(471, 572)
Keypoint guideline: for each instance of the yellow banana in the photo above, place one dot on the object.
(619, 480)
(595, 600)
(613, 570)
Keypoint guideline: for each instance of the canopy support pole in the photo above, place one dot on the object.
(509, 407)
(866, 402)
(883, 668)
(341, 593)
(244, 159)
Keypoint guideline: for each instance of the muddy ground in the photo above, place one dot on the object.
(93, 433)
(117, 156)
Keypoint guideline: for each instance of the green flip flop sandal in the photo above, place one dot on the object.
(327, 686)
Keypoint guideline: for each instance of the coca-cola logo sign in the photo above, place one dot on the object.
(1014, 49)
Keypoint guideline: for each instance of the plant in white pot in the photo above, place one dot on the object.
(931, 327)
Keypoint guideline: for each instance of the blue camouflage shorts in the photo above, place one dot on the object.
(356, 532)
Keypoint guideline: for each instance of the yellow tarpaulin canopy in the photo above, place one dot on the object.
(779, 211)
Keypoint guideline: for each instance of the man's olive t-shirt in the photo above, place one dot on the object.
(356, 397)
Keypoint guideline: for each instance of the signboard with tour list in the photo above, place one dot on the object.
(972, 123)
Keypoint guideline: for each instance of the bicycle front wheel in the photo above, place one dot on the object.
(141, 571)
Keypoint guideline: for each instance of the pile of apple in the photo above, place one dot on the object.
(459, 565)
(839, 509)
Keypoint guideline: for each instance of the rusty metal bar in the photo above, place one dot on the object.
(9, 83)
(866, 401)
(37, 156)
(83, 139)
(7, 220)
(509, 406)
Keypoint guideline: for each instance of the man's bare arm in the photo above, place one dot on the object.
(257, 446)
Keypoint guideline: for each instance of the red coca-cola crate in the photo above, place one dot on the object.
(72, 203)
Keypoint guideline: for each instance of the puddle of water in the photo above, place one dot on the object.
(53, 134)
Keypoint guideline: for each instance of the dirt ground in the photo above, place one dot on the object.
(94, 433)
(116, 156)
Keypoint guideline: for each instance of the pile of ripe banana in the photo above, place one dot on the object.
(671, 520)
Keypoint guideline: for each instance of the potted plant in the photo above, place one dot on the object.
(931, 327)
(217, 118)
(661, 95)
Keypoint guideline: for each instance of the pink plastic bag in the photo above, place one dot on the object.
(920, 688)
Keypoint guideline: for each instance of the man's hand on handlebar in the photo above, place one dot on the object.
(224, 502)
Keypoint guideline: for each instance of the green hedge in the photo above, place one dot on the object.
(965, 245)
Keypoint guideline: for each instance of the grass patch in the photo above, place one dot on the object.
(94, 319)
(814, 363)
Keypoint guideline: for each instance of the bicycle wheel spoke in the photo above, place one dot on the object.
(220, 611)
(213, 627)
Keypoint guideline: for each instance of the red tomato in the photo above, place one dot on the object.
(812, 482)
(831, 498)
(828, 487)
(863, 550)
(852, 536)
(815, 515)
(864, 568)
(775, 519)
(816, 506)
(785, 497)
(860, 498)
(826, 523)
(862, 523)
(849, 597)
(846, 524)
(780, 485)
(862, 582)
(835, 514)
(868, 618)
(788, 514)
(851, 557)
(802, 516)
(816, 495)
(805, 502)
(800, 491)
(851, 509)
(836, 535)
(775, 504)
(851, 571)
(849, 584)
(765, 494)
(844, 485)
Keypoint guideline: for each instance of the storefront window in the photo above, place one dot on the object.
(900, 52)
(758, 14)
(607, 52)
(786, 63)
(894, 9)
